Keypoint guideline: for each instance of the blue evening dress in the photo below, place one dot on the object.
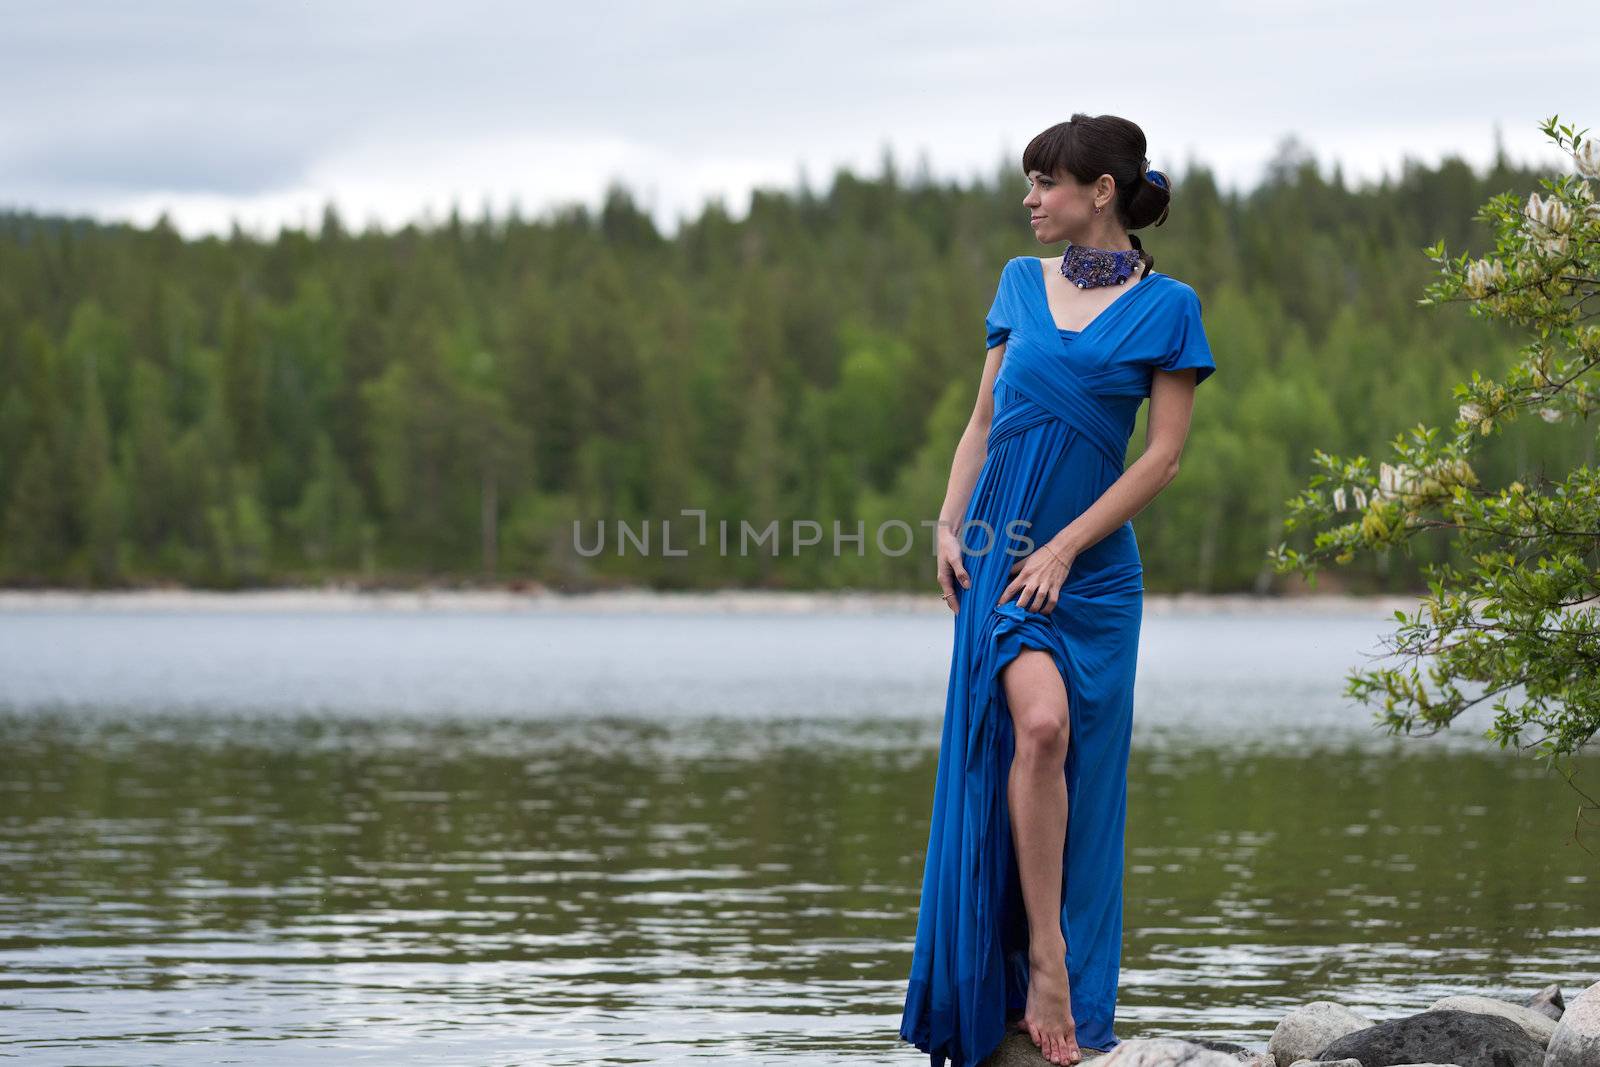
(1065, 403)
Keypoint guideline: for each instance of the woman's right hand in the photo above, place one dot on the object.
(950, 569)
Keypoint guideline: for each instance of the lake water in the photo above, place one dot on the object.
(580, 837)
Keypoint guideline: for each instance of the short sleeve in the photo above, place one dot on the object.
(997, 323)
(1188, 346)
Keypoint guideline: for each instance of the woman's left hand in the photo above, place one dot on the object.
(1038, 577)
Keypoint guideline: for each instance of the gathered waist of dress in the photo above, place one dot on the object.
(1055, 393)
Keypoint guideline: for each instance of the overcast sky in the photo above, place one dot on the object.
(264, 112)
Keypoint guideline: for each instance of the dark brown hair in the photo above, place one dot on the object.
(1088, 146)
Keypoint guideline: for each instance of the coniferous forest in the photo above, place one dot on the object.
(442, 403)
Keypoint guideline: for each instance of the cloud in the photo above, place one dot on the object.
(179, 159)
(264, 111)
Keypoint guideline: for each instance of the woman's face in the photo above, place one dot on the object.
(1060, 208)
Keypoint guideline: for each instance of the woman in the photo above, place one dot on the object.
(1020, 923)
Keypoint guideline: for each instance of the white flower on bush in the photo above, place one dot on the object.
(1588, 159)
(1394, 480)
(1482, 275)
(1360, 495)
(1338, 499)
(1534, 209)
(1470, 413)
(1550, 414)
(1551, 213)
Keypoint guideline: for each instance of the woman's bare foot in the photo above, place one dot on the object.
(1048, 1017)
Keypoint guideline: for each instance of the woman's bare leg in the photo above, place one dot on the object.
(1037, 793)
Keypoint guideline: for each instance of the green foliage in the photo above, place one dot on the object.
(1516, 621)
(445, 401)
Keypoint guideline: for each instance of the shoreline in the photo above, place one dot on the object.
(640, 601)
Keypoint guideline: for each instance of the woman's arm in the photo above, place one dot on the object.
(1171, 405)
(973, 447)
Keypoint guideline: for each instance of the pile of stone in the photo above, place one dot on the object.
(1459, 1031)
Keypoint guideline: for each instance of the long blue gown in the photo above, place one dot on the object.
(1064, 410)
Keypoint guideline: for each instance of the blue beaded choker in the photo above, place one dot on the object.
(1088, 267)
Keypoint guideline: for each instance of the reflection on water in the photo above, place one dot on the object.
(500, 881)
(1208, 674)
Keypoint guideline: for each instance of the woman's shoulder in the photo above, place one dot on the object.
(1016, 262)
(1173, 293)
(1175, 286)
(1012, 273)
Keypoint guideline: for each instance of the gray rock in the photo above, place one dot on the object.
(1536, 1025)
(1164, 1052)
(1307, 1030)
(1576, 1042)
(1548, 1001)
(1357, 1063)
(1242, 1057)
(1466, 1038)
(1219, 1046)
